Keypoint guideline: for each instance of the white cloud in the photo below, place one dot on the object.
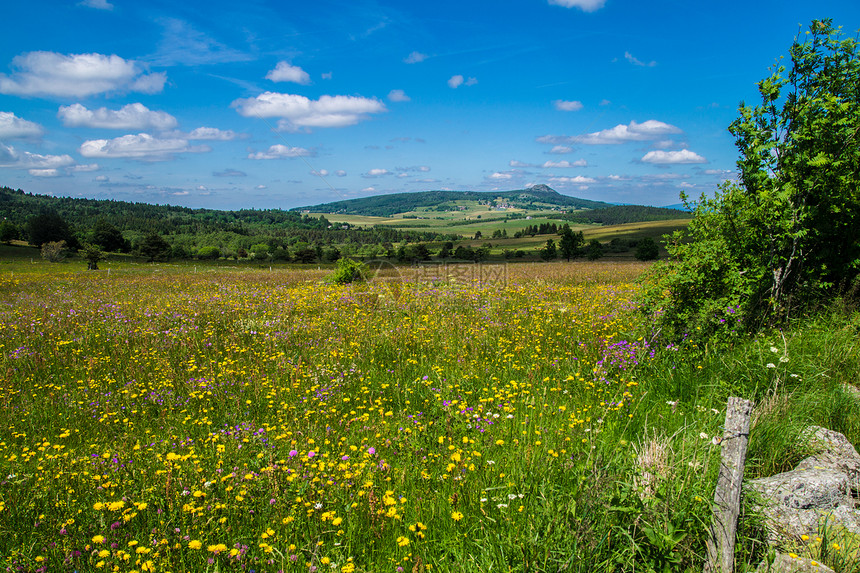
(85, 168)
(44, 172)
(560, 149)
(13, 127)
(415, 58)
(212, 134)
(684, 156)
(456, 81)
(77, 75)
(579, 179)
(415, 169)
(97, 4)
(285, 72)
(565, 164)
(501, 176)
(11, 157)
(281, 152)
(646, 131)
(131, 116)
(636, 62)
(376, 173)
(142, 146)
(300, 112)
(517, 163)
(562, 105)
(584, 5)
(398, 96)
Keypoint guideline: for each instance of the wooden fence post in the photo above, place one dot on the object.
(727, 497)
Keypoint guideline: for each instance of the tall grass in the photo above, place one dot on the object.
(158, 419)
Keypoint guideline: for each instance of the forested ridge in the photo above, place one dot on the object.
(187, 230)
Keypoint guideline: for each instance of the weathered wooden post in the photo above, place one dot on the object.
(727, 497)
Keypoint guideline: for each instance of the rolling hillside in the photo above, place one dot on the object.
(539, 197)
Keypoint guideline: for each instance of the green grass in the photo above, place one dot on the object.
(456, 425)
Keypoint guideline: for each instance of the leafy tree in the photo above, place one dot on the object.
(570, 243)
(208, 253)
(154, 248)
(108, 237)
(8, 232)
(421, 252)
(54, 251)
(594, 250)
(464, 253)
(47, 227)
(446, 251)
(305, 255)
(482, 253)
(92, 254)
(647, 249)
(282, 255)
(549, 251)
(260, 251)
(783, 236)
(331, 254)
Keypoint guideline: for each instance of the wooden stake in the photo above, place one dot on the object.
(727, 497)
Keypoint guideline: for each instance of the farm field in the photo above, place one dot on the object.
(459, 418)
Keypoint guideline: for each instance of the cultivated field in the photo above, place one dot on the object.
(456, 418)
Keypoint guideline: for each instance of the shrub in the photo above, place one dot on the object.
(54, 251)
(208, 253)
(646, 249)
(349, 271)
(784, 237)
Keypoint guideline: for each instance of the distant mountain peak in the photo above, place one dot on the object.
(541, 188)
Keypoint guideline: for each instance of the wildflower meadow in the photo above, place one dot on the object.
(159, 418)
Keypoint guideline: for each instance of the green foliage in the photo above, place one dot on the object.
(594, 250)
(571, 243)
(349, 271)
(764, 248)
(154, 248)
(388, 205)
(549, 251)
(621, 214)
(106, 223)
(8, 232)
(260, 251)
(54, 251)
(647, 249)
(49, 226)
(92, 254)
(108, 237)
(208, 253)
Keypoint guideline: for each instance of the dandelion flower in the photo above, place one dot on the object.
(456, 515)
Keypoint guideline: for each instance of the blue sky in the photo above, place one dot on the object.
(279, 104)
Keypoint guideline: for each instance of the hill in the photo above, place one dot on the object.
(539, 197)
